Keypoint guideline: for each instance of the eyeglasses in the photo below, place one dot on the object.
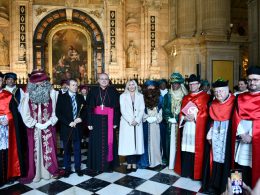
(219, 91)
(252, 80)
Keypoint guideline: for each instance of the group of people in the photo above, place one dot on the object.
(199, 133)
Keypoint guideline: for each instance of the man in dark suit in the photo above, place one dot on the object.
(70, 112)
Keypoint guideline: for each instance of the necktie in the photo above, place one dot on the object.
(74, 106)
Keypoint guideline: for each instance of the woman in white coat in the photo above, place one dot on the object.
(131, 139)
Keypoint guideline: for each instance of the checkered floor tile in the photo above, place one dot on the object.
(142, 182)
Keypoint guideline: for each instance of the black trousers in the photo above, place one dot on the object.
(131, 159)
(187, 164)
(246, 174)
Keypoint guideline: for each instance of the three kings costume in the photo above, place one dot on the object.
(11, 164)
(171, 110)
(42, 159)
(191, 137)
(103, 114)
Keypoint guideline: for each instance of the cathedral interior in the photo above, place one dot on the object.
(148, 39)
(144, 38)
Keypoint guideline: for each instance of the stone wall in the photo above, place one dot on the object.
(168, 35)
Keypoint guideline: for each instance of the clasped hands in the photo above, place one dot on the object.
(151, 119)
(246, 138)
(189, 117)
(43, 126)
(172, 120)
(75, 122)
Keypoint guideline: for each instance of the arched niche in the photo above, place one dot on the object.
(79, 21)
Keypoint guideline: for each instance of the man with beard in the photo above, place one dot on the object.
(171, 110)
(192, 131)
(10, 146)
(152, 118)
(218, 147)
(103, 119)
(38, 113)
(246, 129)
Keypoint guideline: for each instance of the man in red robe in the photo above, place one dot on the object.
(246, 129)
(192, 132)
(217, 160)
(10, 147)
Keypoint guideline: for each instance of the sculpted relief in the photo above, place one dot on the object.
(132, 53)
(4, 51)
(154, 57)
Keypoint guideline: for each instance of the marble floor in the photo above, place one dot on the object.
(160, 180)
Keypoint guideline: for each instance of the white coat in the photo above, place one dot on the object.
(131, 139)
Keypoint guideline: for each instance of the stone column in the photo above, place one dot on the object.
(186, 18)
(21, 37)
(4, 38)
(216, 17)
(173, 18)
(254, 31)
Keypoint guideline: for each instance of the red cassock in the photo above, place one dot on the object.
(248, 108)
(201, 100)
(14, 169)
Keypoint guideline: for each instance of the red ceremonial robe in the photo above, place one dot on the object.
(213, 171)
(200, 99)
(13, 168)
(248, 108)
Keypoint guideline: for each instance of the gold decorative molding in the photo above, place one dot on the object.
(152, 4)
(40, 10)
(69, 25)
(97, 13)
(4, 17)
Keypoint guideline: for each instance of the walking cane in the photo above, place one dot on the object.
(71, 130)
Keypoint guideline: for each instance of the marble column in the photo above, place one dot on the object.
(254, 31)
(186, 18)
(216, 17)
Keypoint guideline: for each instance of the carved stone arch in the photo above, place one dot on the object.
(78, 17)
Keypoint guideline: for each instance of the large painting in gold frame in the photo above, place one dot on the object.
(70, 53)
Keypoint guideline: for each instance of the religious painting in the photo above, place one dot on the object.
(69, 55)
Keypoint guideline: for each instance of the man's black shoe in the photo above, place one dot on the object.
(11, 181)
(67, 173)
(79, 172)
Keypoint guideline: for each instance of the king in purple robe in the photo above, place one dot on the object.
(38, 113)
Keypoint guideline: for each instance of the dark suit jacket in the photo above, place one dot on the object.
(65, 116)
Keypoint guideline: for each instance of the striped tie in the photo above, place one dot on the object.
(74, 106)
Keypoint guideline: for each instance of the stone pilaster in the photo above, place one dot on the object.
(254, 31)
(21, 36)
(186, 18)
(216, 17)
(5, 38)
